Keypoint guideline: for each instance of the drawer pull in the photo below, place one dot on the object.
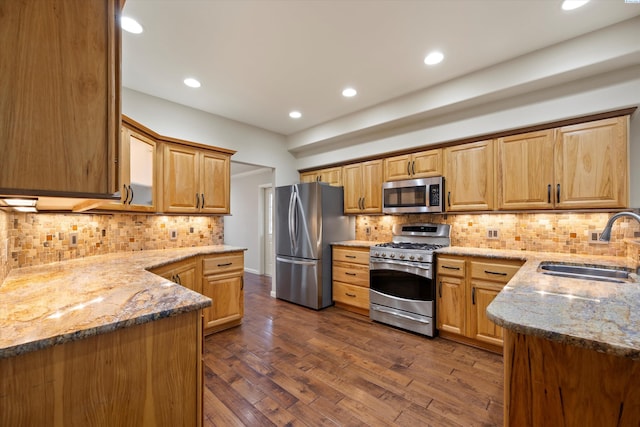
(226, 264)
(440, 289)
(497, 273)
(350, 295)
(473, 296)
(450, 268)
(349, 274)
(350, 256)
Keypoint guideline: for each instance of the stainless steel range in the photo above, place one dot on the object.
(402, 289)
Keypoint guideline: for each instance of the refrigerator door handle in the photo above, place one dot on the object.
(295, 261)
(290, 220)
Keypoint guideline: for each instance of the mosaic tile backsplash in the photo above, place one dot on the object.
(553, 232)
(4, 245)
(35, 239)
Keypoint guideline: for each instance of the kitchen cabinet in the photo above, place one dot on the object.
(332, 176)
(415, 165)
(184, 273)
(465, 288)
(525, 171)
(138, 175)
(139, 375)
(60, 103)
(363, 187)
(223, 282)
(350, 278)
(469, 176)
(591, 164)
(572, 167)
(195, 180)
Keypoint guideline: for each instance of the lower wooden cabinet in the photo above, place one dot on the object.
(465, 286)
(350, 278)
(223, 282)
(183, 273)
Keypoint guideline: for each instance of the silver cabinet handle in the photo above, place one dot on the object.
(473, 296)
(350, 295)
(126, 194)
(549, 193)
(202, 207)
(450, 268)
(558, 194)
(495, 272)
(197, 201)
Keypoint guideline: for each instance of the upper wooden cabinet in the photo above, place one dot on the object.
(363, 187)
(416, 165)
(572, 167)
(138, 175)
(60, 102)
(525, 171)
(469, 176)
(195, 180)
(591, 165)
(332, 176)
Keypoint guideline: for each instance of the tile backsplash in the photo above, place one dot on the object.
(35, 239)
(4, 245)
(549, 232)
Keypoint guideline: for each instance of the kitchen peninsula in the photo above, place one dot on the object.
(571, 346)
(102, 341)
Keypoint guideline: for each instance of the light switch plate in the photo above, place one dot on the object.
(173, 234)
(73, 240)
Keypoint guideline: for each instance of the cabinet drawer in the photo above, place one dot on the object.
(356, 296)
(450, 266)
(222, 263)
(353, 274)
(495, 271)
(353, 255)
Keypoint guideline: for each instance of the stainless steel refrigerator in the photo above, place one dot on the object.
(309, 217)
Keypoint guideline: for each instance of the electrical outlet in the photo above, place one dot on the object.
(493, 233)
(594, 237)
(73, 240)
(367, 230)
(173, 234)
(191, 230)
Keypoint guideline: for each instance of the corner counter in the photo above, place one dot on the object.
(571, 346)
(102, 341)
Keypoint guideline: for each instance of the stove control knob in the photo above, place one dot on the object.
(401, 256)
(420, 258)
(411, 257)
(384, 255)
(376, 254)
(392, 256)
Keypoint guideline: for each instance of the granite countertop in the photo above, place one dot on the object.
(597, 315)
(356, 243)
(54, 303)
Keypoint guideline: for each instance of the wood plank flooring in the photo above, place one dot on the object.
(291, 366)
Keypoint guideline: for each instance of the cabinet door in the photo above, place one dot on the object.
(397, 168)
(352, 180)
(60, 101)
(214, 183)
(186, 276)
(181, 179)
(469, 176)
(227, 295)
(481, 328)
(372, 175)
(141, 174)
(525, 171)
(591, 165)
(451, 304)
(426, 163)
(332, 176)
(309, 177)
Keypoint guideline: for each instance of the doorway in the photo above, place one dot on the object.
(267, 226)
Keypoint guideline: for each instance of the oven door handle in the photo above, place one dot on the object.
(395, 313)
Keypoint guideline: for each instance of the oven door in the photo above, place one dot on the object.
(402, 295)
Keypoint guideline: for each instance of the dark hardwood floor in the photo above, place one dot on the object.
(289, 365)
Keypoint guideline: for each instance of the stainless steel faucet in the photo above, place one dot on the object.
(606, 233)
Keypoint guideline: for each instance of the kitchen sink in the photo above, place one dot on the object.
(586, 272)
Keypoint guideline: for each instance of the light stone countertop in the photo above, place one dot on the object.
(356, 243)
(64, 301)
(596, 315)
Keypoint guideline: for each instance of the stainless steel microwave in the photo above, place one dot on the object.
(422, 195)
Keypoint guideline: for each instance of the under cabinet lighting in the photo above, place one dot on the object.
(20, 202)
(19, 205)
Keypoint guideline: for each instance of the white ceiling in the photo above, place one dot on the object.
(259, 59)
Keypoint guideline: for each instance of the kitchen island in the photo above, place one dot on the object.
(571, 346)
(102, 341)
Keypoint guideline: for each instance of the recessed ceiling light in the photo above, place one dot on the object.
(349, 92)
(130, 25)
(191, 82)
(295, 114)
(434, 58)
(573, 4)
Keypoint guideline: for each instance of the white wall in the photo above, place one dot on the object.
(253, 145)
(243, 228)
